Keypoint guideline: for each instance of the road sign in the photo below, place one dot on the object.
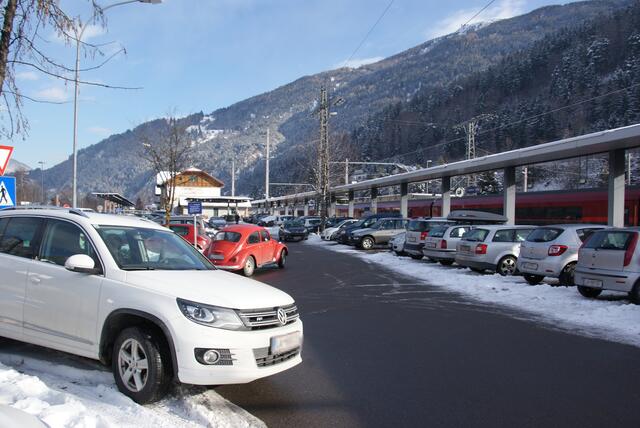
(195, 207)
(5, 155)
(7, 192)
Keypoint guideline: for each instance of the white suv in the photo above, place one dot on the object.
(135, 295)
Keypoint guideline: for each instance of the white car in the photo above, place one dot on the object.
(136, 296)
(329, 234)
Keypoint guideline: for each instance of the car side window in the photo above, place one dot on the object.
(63, 240)
(265, 235)
(503, 236)
(400, 224)
(254, 238)
(521, 234)
(20, 235)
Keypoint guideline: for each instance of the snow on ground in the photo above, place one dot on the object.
(611, 316)
(67, 391)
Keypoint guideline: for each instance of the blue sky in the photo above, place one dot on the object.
(200, 55)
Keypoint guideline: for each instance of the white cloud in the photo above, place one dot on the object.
(53, 94)
(358, 62)
(502, 10)
(27, 75)
(100, 131)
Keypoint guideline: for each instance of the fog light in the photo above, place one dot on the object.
(211, 356)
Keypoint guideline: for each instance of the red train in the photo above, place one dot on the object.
(577, 206)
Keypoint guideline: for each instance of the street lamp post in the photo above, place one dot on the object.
(42, 178)
(78, 37)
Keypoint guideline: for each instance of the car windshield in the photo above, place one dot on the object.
(544, 234)
(476, 235)
(610, 240)
(228, 236)
(136, 248)
(438, 231)
(417, 226)
(293, 223)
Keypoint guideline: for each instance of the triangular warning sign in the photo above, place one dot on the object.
(5, 155)
(5, 197)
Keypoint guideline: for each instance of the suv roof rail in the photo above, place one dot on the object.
(46, 207)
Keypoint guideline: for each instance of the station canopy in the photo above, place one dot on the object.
(116, 198)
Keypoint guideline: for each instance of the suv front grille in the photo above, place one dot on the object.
(263, 359)
(258, 319)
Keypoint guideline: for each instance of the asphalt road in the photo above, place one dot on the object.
(390, 351)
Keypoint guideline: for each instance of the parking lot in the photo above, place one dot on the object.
(384, 348)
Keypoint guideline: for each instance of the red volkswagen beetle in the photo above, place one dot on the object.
(245, 247)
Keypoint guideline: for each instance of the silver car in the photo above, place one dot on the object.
(553, 251)
(610, 260)
(417, 232)
(379, 233)
(397, 243)
(494, 248)
(441, 243)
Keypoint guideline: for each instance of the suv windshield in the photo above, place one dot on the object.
(478, 235)
(544, 234)
(136, 248)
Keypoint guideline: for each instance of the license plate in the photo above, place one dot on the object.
(217, 257)
(465, 247)
(593, 283)
(412, 239)
(430, 245)
(286, 342)
(532, 266)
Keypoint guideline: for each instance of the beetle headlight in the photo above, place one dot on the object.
(211, 316)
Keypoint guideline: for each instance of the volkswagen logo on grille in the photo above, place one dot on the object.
(282, 316)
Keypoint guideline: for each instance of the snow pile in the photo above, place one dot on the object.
(67, 391)
(610, 317)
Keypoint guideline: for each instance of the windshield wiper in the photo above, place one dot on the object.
(138, 268)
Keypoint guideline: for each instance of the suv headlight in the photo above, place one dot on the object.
(211, 316)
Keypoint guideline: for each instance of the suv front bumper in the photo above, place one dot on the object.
(247, 350)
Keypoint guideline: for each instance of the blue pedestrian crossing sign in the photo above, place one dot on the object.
(7, 192)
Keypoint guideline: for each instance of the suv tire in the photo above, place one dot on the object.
(507, 266)
(417, 256)
(589, 292)
(566, 276)
(249, 266)
(140, 365)
(367, 243)
(533, 279)
(634, 294)
(446, 262)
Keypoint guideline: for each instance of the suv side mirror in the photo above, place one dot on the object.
(80, 263)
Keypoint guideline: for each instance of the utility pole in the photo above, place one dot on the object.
(346, 171)
(525, 174)
(42, 178)
(266, 174)
(323, 156)
(233, 177)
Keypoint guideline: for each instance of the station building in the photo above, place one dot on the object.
(193, 184)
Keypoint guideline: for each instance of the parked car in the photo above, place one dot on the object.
(330, 233)
(379, 233)
(493, 247)
(246, 248)
(396, 244)
(610, 260)
(442, 241)
(363, 223)
(293, 231)
(132, 294)
(187, 232)
(417, 232)
(217, 222)
(553, 251)
(312, 224)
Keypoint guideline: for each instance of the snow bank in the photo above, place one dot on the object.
(610, 317)
(65, 391)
